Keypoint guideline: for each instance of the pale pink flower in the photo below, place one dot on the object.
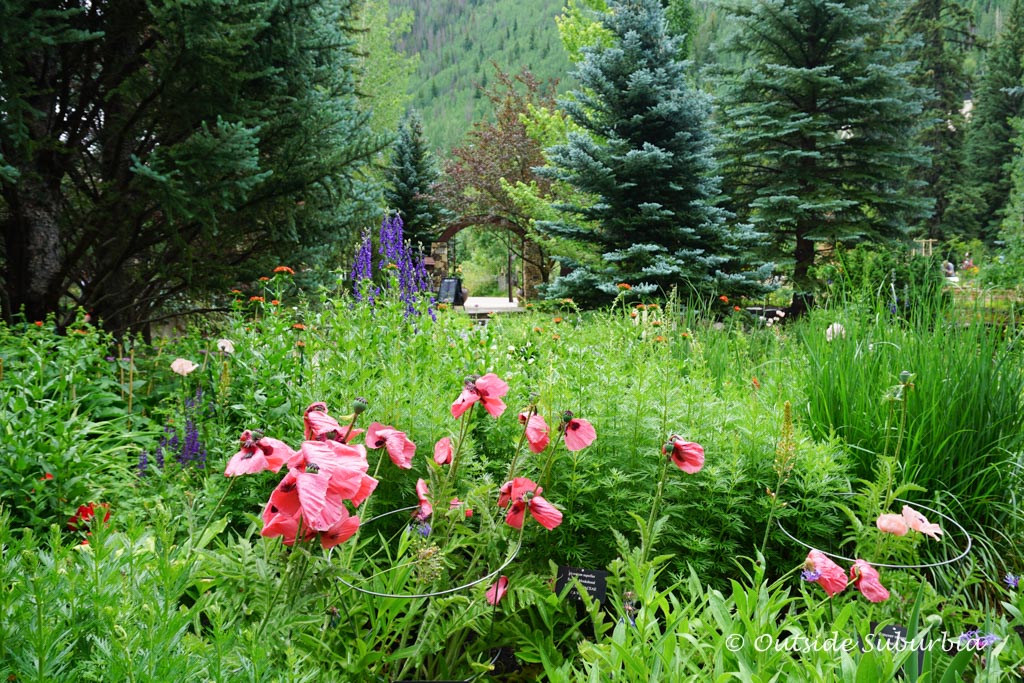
(578, 433)
(183, 366)
(538, 436)
(818, 567)
(892, 524)
(916, 521)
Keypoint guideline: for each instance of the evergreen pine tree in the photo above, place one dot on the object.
(939, 36)
(409, 177)
(681, 22)
(819, 129)
(644, 159)
(980, 204)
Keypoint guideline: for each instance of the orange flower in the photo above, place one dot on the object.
(537, 329)
(640, 307)
(624, 285)
(256, 298)
(753, 380)
(39, 323)
(300, 344)
(555, 337)
(264, 279)
(275, 302)
(298, 326)
(236, 291)
(567, 301)
(632, 314)
(685, 335)
(736, 308)
(656, 323)
(659, 338)
(557, 321)
(724, 299)
(284, 269)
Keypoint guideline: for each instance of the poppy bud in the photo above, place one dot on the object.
(567, 416)
(359, 405)
(906, 376)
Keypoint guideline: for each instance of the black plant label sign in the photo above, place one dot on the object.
(593, 581)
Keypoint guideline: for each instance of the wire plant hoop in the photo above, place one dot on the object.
(927, 565)
(412, 596)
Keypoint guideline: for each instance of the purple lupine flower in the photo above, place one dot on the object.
(143, 463)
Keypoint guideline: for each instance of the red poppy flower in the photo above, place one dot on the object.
(319, 425)
(520, 495)
(443, 451)
(398, 446)
(865, 579)
(46, 477)
(687, 456)
(487, 389)
(538, 436)
(496, 592)
(342, 530)
(578, 433)
(426, 509)
(86, 514)
(826, 573)
(258, 453)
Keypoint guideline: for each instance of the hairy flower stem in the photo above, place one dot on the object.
(519, 446)
(546, 478)
(351, 424)
(647, 539)
(214, 513)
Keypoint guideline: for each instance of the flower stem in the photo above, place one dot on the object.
(653, 518)
(215, 509)
(519, 446)
(551, 456)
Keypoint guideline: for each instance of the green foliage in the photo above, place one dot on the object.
(983, 200)
(644, 159)
(173, 146)
(410, 176)
(819, 123)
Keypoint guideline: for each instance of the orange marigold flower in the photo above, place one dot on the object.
(275, 302)
(264, 279)
(724, 299)
(284, 269)
(624, 285)
(256, 298)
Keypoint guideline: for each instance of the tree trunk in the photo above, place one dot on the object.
(32, 239)
(803, 287)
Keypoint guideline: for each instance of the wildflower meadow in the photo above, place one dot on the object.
(358, 483)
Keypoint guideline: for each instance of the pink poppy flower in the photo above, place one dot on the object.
(345, 466)
(520, 495)
(279, 523)
(687, 455)
(346, 526)
(258, 453)
(303, 495)
(865, 579)
(426, 509)
(496, 592)
(916, 521)
(443, 451)
(320, 425)
(822, 570)
(398, 446)
(892, 524)
(578, 433)
(538, 436)
(487, 389)
(183, 366)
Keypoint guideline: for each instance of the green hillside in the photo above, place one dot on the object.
(457, 41)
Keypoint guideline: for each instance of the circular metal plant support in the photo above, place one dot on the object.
(944, 516)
